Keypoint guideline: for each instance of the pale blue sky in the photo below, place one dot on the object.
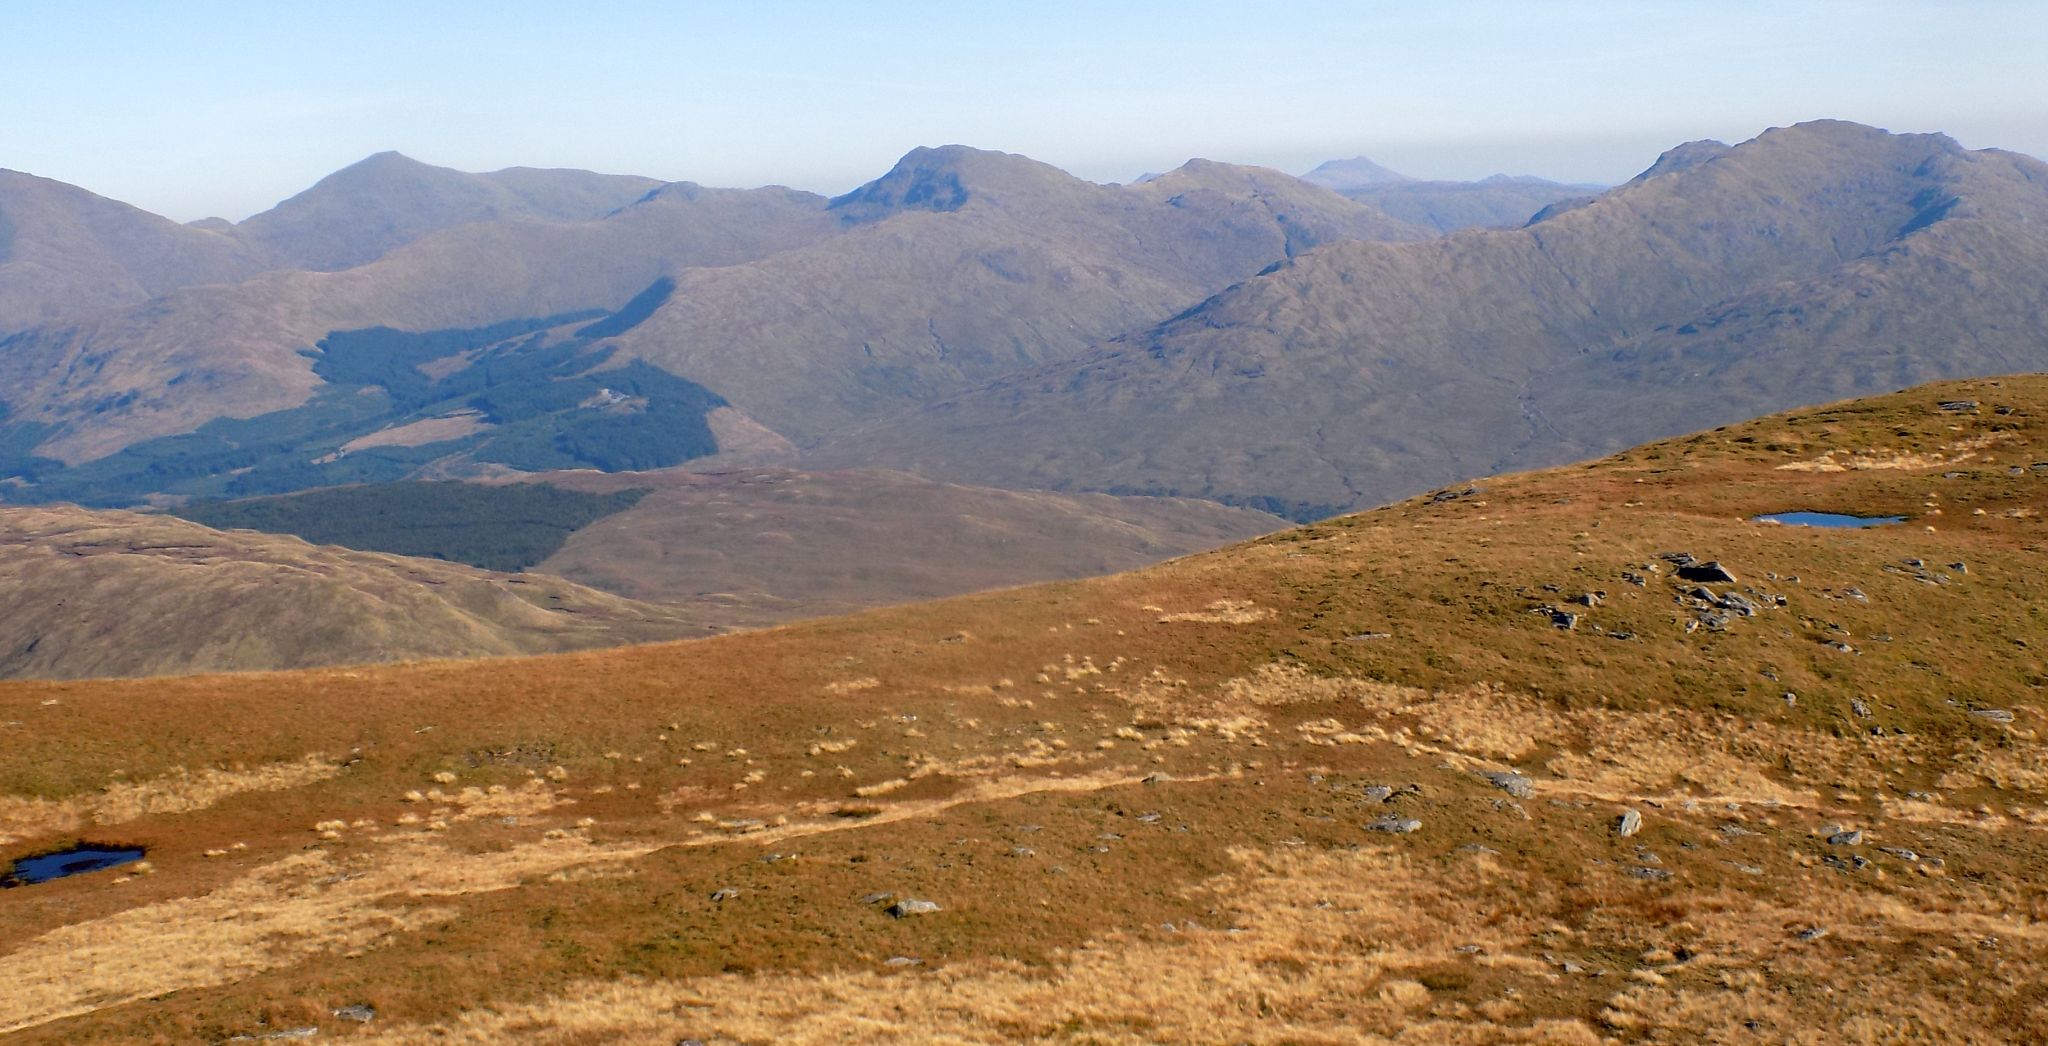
(193, 108)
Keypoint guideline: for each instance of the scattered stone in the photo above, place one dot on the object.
(1514, 784)
(1857, 706)
(910, 906)
(1812, 933)
(1589, 599)
(359, 1013)
(1899, 852)
(903, 960)
(1478, 848)
(1023, 851)
(1655, 875)
(1959, 406)
(1378, 793)
(1157, 777)
(1367, 637)
(1149, 818)
(1996, 715)
(1394, 825)
(877, 898)
(1849, 837)
(1959, 567)
(1629, 823)
(1791, 698)
(1564, 619)
(1708, 573)
(724, 894)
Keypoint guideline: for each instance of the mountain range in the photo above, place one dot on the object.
(1219, 331)
(1814, 262)
(983, 321)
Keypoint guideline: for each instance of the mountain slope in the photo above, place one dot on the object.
(115, 593)
(960, 265)
(170, 365)
(1814, 261)
(361, 212)
(755, 546)
(763, 546)
(1348, 783)
(66, 252)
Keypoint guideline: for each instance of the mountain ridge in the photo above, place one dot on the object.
(1330, 381)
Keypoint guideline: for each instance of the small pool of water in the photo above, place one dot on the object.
(1827, 519)
(44, 867)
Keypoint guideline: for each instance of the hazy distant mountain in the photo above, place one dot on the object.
(1811, 263)
(1499, 201)
(65, 252)
(361, 212)
(1358, 172)
(116, 593)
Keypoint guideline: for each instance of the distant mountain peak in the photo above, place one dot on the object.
(1353, 173)
(1684, 157)
(944, 178)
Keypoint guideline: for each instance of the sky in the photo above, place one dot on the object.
(209, 107)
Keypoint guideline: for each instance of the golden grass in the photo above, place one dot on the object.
(181, 791)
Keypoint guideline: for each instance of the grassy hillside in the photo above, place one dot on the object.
(122, 594)
(1346, 783)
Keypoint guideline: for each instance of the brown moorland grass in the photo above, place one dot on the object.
(1145, 803)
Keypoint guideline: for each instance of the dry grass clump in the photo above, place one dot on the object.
(181, 791)
(1223, 612)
